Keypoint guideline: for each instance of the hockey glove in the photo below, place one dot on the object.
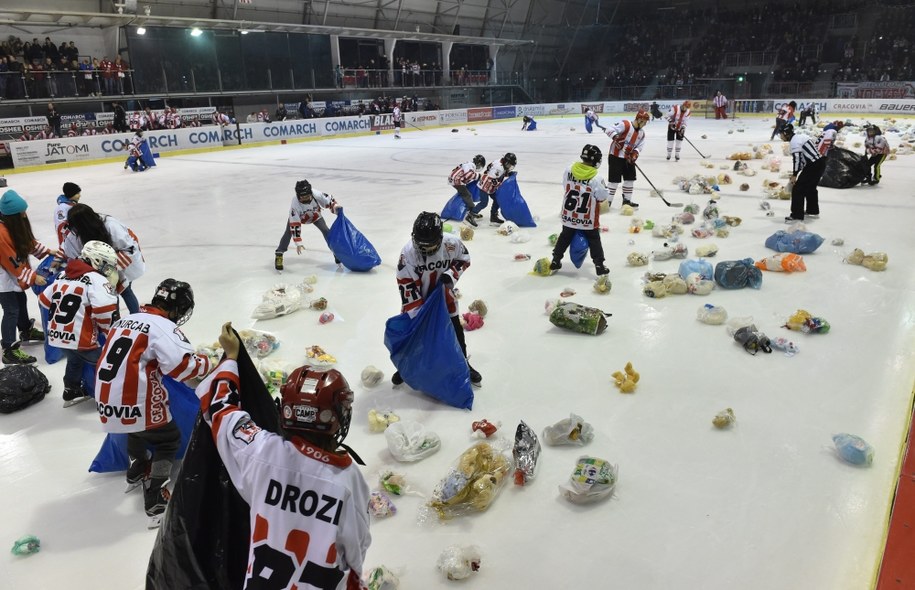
(681, 133)
(632, 156)
(446, 281)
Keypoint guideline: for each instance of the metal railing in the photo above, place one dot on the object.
(736, 59)
(41, 84)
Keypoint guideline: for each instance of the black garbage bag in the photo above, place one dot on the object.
(844, 169)
(202, 542)
(20, 387)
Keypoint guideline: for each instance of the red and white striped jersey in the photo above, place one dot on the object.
(826, 140)
(60, 218)
(626, 138)
(678, 117)
(786, 112)
(720, 100)
(581, 200)
(134, 121)
(492, 177)
(309, 507)
(463, 174)
(131, 264)
(305, 213)
(142, 348)
(80, 303)
(73, 133)
(418, 274)
(397, 114)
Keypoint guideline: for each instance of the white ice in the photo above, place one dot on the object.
(764, 505)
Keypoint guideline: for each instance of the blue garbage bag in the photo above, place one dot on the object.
(512, 204)
(455, 208)
(532, 125)
(184, 405)
(578, 249)
(798, 242)
(145, 159)
(426, 352)
(589, 126)
(352, 248)
(737, 274)
(696, 265)
(52, 354)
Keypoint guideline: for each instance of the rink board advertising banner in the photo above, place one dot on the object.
(97, 147)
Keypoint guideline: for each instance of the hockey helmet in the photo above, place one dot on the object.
(641, 118)
(526, 119)
(479, 161)
(873, 130)
(319, 401)
(838, 124)
(509, 160)
(175, 298)
(102, 258)
(591, 155)
(787, 132)
(303, 188)
(427, 233)
(687, 104)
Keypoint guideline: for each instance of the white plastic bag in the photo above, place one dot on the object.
(409, 441)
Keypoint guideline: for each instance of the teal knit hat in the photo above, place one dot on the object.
(11, 203)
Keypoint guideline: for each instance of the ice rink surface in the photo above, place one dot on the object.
(764, 505)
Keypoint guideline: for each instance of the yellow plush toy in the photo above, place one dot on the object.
(626, 379)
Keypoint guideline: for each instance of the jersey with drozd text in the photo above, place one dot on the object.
(418, 274)
(581, 202)
(309, 507)
(142, 348)
(80, 303)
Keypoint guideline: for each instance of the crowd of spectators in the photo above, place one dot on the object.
(888, 53)
(409, 73)
(45, 70)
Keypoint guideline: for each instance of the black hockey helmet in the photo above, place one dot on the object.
(427, 233)
(591, 155)
(526, 119)
(317, 400)
(175, 298)
(303, 188)
(787, 132)
(873, 130)
(510, 159)
(479, 161)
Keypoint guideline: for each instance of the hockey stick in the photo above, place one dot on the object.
(695, 148)
(414, 126)
(659, 193)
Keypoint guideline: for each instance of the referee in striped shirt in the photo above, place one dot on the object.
(808, 168)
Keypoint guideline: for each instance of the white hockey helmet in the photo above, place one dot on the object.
(102, 258)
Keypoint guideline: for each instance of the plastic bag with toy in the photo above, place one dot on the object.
(593, 479)
(409, 441)
(784, 262)
(281, 300)
(572, 431)
(472, 483)
(258, 344)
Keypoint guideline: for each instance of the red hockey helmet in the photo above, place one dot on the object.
(687, 104)
(319, 401)
(641, 118)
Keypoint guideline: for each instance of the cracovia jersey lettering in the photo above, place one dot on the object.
(581, 204)
(80, 304)
(139, 351)
(309, 507)
(418, 274)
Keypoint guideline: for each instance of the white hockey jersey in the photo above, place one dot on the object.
(305, 213)
(581, 202)
(131, 264)
(590, 114)
(492, 177)
(309, 507)
(626, 138)
(678, 117)
(463, 174)
(418, 274)
(142, 348)
(80, 303)
(60, 217)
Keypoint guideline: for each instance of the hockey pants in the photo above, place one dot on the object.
(287, 234)
(465, 196)
(805, 189)
(594, 244)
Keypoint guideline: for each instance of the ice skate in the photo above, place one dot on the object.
(475, 377)
(554, 266)
(632, 204)
(155, 499)
(600, 269)
(74, 395)
(137, 473)
(496, 221)
(33, 334)
(278, 262)
(668, 157)
(15, 356)
(677, 158)
(396, 379)
(470, 220)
